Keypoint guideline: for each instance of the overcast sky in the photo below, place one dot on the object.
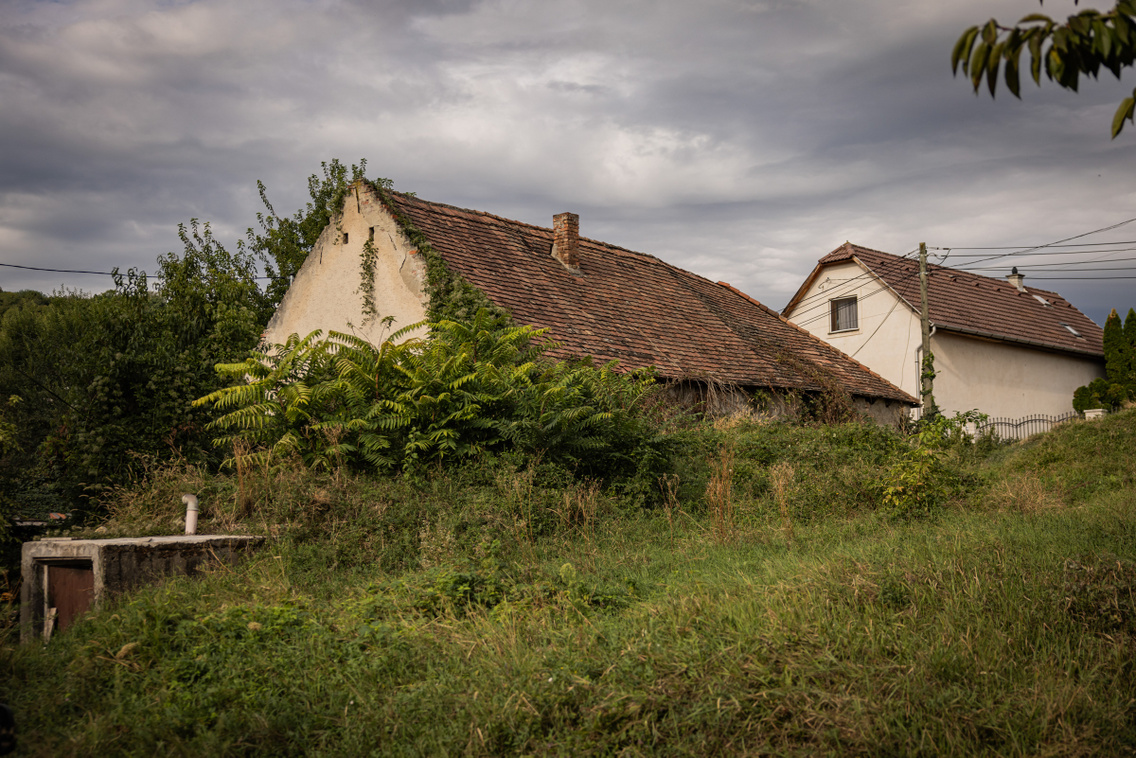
(738, 139)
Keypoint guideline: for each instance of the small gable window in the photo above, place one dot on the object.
(843, 316)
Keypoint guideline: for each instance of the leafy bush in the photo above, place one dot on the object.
(108, 380)
(467, 390)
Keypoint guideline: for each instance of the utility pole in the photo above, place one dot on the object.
(927, 365)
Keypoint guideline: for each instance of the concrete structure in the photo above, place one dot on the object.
(595, 299)
(1000, 347)
(63, 578)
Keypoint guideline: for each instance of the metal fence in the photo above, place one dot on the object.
(1020, 428)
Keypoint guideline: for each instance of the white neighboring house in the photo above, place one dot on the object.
(1000, 347)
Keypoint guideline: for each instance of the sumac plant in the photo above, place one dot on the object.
(467, 389)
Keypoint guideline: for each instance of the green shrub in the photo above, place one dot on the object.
(467, 390)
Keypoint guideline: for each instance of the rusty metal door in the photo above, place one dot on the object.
(70, 588)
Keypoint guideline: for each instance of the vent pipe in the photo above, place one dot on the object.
(190, 513)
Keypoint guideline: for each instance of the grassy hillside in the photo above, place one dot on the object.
(776, 597)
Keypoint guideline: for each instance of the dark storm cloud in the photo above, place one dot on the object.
(741, 140)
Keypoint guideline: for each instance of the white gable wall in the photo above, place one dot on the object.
(887, 335)
(326, 293)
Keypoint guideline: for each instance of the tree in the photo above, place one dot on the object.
(1118, 385)
(1083, 44)
(284, 242)
(1130, 338)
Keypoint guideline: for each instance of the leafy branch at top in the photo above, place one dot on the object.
(1083, 44)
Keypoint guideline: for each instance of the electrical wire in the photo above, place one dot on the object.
(57, 270)
(1057, 243)
(94, 273)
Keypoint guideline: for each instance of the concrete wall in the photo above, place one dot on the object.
(326, 293)
(1002, 379)
(118, 565)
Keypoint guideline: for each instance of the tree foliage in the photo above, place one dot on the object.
(1083, 44)
(104, 381)
(1118, 385)
(283, 242)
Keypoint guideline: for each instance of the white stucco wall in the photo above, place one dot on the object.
(1004, 380)
(326, 292)
(996, 378)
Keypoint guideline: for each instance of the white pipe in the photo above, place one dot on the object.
(190, 513)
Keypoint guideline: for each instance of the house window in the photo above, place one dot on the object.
(843, 315)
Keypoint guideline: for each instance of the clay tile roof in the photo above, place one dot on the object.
(972, 304)
(634, 307)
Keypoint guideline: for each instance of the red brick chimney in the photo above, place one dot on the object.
(566, 240)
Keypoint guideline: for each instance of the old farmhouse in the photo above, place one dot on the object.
(596, 299)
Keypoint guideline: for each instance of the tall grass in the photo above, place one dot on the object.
(504, 611)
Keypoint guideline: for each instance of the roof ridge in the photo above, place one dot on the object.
(526, 224)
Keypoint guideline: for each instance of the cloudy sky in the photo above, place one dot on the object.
(739, 139)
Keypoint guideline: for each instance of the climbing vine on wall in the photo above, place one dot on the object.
(451, 296)
(367, 283)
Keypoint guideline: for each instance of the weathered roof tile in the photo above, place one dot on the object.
(973, 304)
(634, 307)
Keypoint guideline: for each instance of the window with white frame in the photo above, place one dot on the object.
(843, 316)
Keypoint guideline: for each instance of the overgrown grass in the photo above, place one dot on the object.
(767, 605)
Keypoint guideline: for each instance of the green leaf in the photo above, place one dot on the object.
(978, 63)
(961, 52)
(992, 67)
(1035, 40)
(1102, 40)
(1125, 112)
(990, 32)
(1013, 54)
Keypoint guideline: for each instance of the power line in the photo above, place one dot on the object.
(57, 270)
(1050, 265)
(1057, 242)
(1047, 252)
(95, 273)
(1017, 247)
(868, 274)
(1084, 270)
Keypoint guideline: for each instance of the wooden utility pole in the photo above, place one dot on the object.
(926, 367)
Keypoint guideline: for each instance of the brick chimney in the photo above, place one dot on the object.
(566, 240)
(1016, 279)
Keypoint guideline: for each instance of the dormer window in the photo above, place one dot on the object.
(842, 315)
